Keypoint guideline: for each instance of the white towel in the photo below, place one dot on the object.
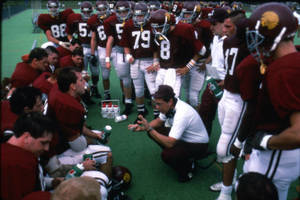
(170, 77)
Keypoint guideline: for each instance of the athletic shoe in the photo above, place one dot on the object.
(216, 187)
(223, 196)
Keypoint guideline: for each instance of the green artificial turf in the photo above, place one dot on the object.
(152, 179)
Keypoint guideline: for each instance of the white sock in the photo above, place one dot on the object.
(226, 189)
(128, 101)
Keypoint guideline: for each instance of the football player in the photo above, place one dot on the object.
(73, 60)
(98, 41)
(153, 6)
(231, 107)
(216, 70)
(114, 26)
(177, 49)
(23, 100)
(26, 72)
(65, 107)
(270, 40)
(137, 41)
(77, 23)
(54, 24)
(23, 174)
(194, 79)
(53, 58)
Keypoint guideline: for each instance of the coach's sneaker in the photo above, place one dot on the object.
(141, 113)
(185, 177)
(95, 92)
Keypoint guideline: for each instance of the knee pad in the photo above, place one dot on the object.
(79, 144)
(105, 73)
(99, 153)
(138, 87)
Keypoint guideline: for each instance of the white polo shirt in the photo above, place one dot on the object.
(217, 58)
(186, 124)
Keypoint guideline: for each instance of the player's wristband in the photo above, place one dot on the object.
(60, 43)
(191, 64)
(107, 59)
(128, 57)
(238, 143)
(149, 129)
(264, 142)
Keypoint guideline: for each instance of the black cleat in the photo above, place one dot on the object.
(107, 97)
(128, 109)
(95, 92)
(145, 113)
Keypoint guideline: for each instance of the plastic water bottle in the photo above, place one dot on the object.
(116, 111)
(106, 133)
(104, 110)
(88, 156)
(214, 87)
(76, 171)
(120, 118)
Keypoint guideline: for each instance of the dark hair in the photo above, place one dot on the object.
(23, 97)
(37, 53)
(77, 52)
(66, 76)
(51, 49)
(35, 123)
(165, 92)
(236, 15)
(255, 186)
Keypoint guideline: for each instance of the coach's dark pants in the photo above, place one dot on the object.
(207, 109)
(179, 157)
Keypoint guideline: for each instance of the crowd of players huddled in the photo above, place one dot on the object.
(250, 64)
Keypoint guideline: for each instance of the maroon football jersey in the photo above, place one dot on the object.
(75, 24)
(234, 50)
(279, 95)
(67, 61)
(23, 75)
(139, 41)
(283, 84)
(97, 25)
(114, 28)
(204, 34)
(68, 112)
(63, 51)
(180, 48)
(42, 83)
(57, 25)
(249, 78)
(19, 172)
(8, 118)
